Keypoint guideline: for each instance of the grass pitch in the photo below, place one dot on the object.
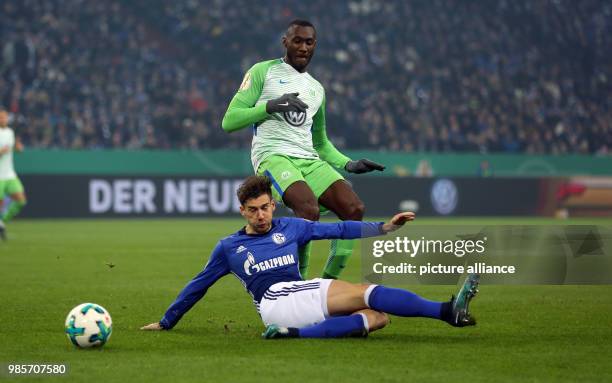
(136, 268)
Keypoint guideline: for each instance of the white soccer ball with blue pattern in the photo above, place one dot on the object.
(89, 325)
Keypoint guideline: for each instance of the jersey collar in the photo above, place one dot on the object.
(292, 68)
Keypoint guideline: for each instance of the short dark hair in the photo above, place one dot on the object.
(253, 187)
(301, 23)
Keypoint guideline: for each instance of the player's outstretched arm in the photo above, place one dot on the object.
(328, 152)
(363, 166)
(312, 230)
(194, 291)
(324, 147)
(398, 221)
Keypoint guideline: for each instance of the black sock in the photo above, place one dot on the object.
(293, 332)
(446, 311)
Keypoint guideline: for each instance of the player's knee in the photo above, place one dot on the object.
(358, 294)
(383, 319)
(19, 198)
(355, 211)
(376, 319)
(307, 211)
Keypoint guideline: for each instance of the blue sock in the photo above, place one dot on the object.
(335, 327)
(404, 303)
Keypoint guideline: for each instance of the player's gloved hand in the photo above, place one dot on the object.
(288, 102)
(363, 166)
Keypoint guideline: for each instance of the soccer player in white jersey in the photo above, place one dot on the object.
(9, 182)
(262, 256)
(285, 106)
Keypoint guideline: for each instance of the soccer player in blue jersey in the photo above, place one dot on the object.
(263, 256)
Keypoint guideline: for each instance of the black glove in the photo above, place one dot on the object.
(288, 102)
(362, 166)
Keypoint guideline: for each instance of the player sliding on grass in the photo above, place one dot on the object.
(285, 106)
(262, 256)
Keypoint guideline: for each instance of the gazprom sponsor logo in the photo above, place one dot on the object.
(250, 267)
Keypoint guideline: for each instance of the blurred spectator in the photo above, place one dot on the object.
(484, 169)
(505, 76)
(424, 169)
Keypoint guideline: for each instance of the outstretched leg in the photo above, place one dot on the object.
(358, 324)
(344, 297)
(357, 309)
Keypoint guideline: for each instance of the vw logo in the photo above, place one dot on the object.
(295, 118)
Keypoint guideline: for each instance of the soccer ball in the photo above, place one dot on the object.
(89, 325)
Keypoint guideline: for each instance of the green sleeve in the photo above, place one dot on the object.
(322, 144)
(242, 111)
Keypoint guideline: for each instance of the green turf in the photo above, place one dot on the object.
(525, 333)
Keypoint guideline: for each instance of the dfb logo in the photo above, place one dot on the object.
(295, 118)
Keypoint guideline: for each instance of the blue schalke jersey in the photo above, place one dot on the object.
(261, 260)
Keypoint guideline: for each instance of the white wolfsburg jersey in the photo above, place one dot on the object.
(287, 133)
(7, 138)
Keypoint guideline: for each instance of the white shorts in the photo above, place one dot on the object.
(295, 304)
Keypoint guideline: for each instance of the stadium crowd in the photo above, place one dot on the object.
(504, 76)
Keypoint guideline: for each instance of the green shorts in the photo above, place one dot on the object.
(10, 187)
(284, 170)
